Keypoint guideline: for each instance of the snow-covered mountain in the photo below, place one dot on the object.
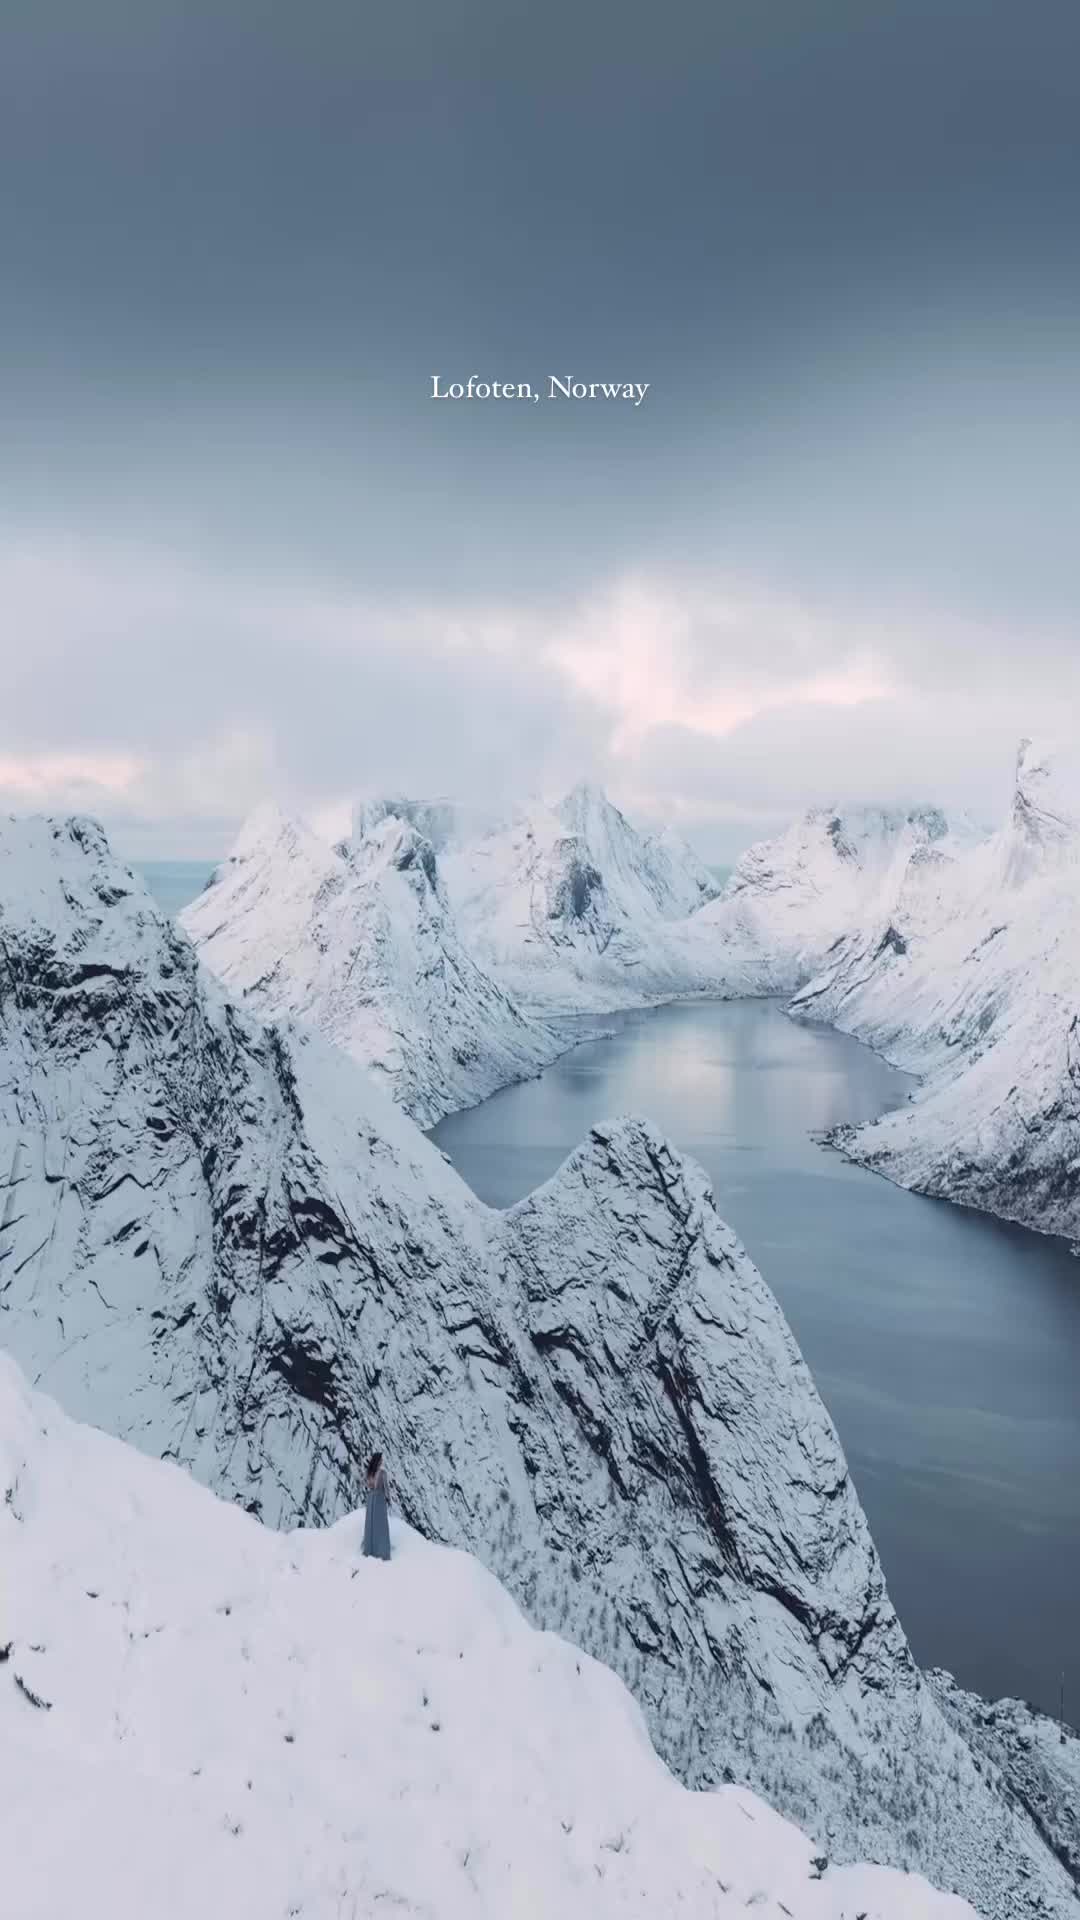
(200, 1716)
(657, 867)
(1037, 1756)
(574, 910)
(361, 943)
(222, 1242)
(443, 822)
(791, 899)
(965, 971)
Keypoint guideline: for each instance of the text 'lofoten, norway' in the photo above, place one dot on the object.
(559, 387)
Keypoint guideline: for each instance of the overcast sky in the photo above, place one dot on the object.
(243, 552)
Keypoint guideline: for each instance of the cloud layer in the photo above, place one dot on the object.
(169, 697)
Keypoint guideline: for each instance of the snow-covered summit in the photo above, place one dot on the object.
(200, 1716)
(361, 944)
(1043, 829)
(62, 890)
(222, 1242)
(568, 907)
(573, 908)
(790, 899)
(443, 822)
(662, 864)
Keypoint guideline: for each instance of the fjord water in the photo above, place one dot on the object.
(945, 1344)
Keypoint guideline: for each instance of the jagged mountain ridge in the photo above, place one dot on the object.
(221, 1242)
(662, 865)
(569, 908)
(574, 910)
(791, 899)
(1038, 1756)
(964, 971)
(197, 1695)
(361, 943)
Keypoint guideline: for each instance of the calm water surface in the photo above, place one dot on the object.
(946, 1345)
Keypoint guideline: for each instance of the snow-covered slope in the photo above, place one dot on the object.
(220, 1241)
(657, 868)
(1039, 1758)
(574, 910)
(791, 899)
(200, 1716)
(361, 944)
(966, 971)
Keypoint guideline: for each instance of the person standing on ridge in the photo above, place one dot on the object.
(377, 1511)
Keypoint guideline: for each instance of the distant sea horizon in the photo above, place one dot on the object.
(174, 883)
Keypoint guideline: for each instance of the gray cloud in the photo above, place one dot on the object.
(839, 242)
(144, 687)
(170, 697)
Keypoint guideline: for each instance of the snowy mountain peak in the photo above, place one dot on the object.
(572, 907)
(675, 880)
(833, 880)
(363, 945)
(606, 837)
(868, 833)
(268, 829)
(397, 843)
(587, 807)
(1044, 826)
(73, 920)
(692, 880)
(264, 823)
(37, 849)
(442, 822)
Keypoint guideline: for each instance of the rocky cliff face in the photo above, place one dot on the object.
(964, 971)
(221, 1242)
(361, 943)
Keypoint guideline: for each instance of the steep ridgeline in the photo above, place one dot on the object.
(574, 910)
(790, 900)
(187, 1703)
(221, 1242)
(1037, 1756)
(966, 971)
(361, 944)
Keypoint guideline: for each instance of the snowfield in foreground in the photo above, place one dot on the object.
(200, 1716)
